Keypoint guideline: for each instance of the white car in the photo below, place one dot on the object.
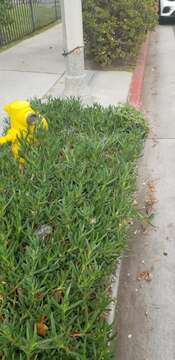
(167, 9)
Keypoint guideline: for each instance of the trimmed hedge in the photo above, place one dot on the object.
(115, 29)
(63, 226)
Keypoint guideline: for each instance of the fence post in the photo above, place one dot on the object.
(56, 14)
(32, 14)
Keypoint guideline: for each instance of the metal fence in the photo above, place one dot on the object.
(27, 16)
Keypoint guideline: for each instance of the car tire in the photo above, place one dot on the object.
(161, 20)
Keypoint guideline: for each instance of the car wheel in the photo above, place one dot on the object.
(161, 20)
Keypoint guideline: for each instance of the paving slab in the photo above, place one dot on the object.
(40, 53)
(110, 87)
(104, 87)
(24, 85)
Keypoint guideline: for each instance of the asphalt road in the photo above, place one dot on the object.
(146, 304)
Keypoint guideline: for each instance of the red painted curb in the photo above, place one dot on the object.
(136, 86)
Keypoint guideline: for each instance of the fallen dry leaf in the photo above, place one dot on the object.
(151, 186)
(144, 229)
(76, 335)
(144, 275)
(41, 328)
(109, 290)
(151, 200)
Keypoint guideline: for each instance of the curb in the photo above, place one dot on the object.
(136, 86)
(114, 293)
(134, 99)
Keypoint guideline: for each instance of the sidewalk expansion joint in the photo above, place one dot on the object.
(30, 71)
(158, 139)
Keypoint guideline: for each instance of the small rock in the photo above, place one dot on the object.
(129, 336)
(43, 231)
(165, 253)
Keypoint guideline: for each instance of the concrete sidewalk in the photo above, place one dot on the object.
(32, 67)
(146, 312)
(35, 68)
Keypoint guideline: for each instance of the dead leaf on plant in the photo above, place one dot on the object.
(40, 296)
(76, 335)
(41, 328)
(145, 275)
(58, 294)
(2, 317)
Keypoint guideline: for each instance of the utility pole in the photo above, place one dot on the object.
(73, 48)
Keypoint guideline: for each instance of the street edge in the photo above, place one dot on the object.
(134, 99)
(114, 282)
(136, 86)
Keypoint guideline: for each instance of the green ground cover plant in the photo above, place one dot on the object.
(78, 183)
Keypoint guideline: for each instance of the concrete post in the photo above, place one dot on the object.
(73, 47)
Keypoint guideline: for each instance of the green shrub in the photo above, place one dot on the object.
(79, 181)
(4, 12)
(114, 29)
